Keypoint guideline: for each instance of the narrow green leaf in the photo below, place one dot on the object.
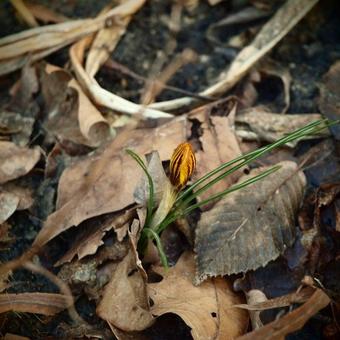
(161, 252)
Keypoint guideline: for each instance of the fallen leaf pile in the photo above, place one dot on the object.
(81, 84)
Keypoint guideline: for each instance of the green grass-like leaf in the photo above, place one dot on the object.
(160, 249)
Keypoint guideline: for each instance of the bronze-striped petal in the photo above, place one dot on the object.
(182, 165)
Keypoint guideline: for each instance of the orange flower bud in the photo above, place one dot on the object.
(182, 165)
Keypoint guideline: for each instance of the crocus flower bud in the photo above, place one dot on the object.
(182, 165)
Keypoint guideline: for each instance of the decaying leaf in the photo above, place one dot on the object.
(39, 303)
(292, 321)
(207, 308)
(125, 303)
(330, 96)
(16, 161)
(92, 232)
(105, 183)
(71, 114)
(259, 125)
(251, 226)
(275, 69)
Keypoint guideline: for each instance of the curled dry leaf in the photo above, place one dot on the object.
(39, 303)
(105, 183)
(73, 116)
(125, 302)
(292, 321)
(275, 69)
(16, 161)
(251, 226)
(207, 308)
(259, 125)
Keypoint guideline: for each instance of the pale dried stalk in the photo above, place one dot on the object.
(46, 38)
(10, 65)
(24, 12)
(271, 33)
(101, 96)
(104, 43)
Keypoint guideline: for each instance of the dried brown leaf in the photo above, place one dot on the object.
(16, 161)
(207, 308)
(39, 303)
(92, 233)
(277, 70)
(72, 115)
(251, 226)
(292, 321)
(125, 303)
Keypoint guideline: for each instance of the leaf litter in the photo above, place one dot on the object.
(91, 233)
